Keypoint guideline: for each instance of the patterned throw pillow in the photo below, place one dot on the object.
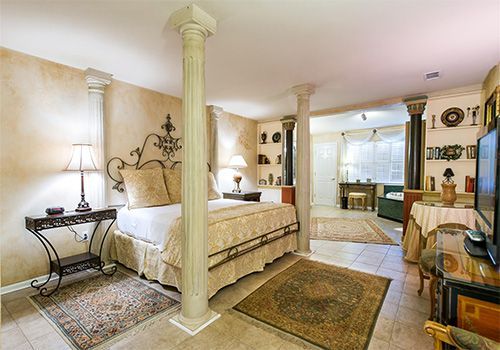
(173, 180)
(145, 188)
(213, 191)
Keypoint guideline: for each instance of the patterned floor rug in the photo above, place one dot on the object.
(326, 305)
(95, 312)
(349, 230)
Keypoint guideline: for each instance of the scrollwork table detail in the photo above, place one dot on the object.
(71, 264)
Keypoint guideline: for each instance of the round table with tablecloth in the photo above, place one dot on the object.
(425, 217)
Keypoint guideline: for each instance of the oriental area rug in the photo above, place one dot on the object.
(329, 306)
(349, 230)
(95, 312)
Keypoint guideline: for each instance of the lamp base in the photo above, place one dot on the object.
(237, 179)
(83, 206)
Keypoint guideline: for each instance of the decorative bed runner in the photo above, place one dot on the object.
(98, 311)
(329, 306)
(349, 230)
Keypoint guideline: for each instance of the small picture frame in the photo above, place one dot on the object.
(471, 151)
(437, 152)
(429, 153)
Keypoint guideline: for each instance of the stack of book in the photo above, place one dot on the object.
(470, 184)
(430, 183)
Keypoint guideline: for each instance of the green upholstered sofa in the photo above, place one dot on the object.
(391, 208)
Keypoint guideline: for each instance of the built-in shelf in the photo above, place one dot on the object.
(443, 128)
(270, 143)
(264, 165)
(270, 186)
(449, 161)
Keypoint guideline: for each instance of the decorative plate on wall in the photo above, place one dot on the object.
(277, 137)
(451, 152)
(452, 116)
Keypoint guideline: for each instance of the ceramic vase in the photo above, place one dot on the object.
(448, 194)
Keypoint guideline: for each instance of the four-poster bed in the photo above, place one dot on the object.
(242, 236)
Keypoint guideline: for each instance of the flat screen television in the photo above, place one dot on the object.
(486, 198)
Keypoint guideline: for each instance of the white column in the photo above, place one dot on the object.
(195, 26)
(215, 114)
(96, 82)
(303, 182)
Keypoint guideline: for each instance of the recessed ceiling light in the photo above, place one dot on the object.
(432, 75)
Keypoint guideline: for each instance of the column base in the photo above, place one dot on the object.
(305, 254)
(195, 328)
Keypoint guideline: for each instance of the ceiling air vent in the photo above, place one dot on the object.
(432, 75)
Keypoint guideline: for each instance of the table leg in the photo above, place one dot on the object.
(35, 282)
(373, 192)
(102, 263)
(43, 291)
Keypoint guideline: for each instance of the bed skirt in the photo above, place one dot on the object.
(145, 258)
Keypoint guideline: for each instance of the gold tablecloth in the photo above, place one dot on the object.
(425, 217)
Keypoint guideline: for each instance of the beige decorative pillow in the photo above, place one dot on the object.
(145, 188)
(173, 180)
(213, 191)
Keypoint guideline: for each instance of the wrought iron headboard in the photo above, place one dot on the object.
(167, 144)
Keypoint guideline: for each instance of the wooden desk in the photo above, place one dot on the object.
(369, 188)
(468, 288)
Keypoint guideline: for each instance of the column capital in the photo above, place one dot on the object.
(303, 90)
(215, 111)
(288, 122)
(193, 16)
(415, 104)
(97, 80)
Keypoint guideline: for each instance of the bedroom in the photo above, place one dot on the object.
(109, 73)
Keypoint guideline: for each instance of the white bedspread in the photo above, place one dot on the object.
(153, 224)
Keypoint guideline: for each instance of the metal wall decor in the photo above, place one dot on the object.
(452, 116)
(451, 152)
(167, 144)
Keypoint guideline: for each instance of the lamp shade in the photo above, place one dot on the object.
(81, 159)
(237, 162)
(448, 172)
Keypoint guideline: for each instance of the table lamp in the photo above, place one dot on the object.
(237, 162)
(81, 160)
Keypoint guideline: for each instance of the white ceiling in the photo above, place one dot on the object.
(375, 118)
(352, 50)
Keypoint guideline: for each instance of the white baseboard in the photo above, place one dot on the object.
(27, 284)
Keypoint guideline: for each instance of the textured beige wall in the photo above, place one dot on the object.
(44, 109)
(131, 113)
(237, 135)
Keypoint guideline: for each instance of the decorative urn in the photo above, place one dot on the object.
(448, 194)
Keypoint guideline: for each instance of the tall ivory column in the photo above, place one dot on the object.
(96, 82)
(195, 26)
(303, 181)
(215, 114)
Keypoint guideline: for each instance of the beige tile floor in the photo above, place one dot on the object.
(399, 325)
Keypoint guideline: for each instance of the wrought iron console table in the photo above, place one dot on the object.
(75, 263)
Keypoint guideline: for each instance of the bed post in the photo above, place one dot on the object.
(195, 25)
(303, 193)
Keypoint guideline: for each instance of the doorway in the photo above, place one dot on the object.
(325, 174)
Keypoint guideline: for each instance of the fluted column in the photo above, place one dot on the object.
(416, 107)
(303, 181)
(288, 124)
(215, 114)
(195, 26)
(97, 82)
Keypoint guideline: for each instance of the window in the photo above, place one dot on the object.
(377, 160)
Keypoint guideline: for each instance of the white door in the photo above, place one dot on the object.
(325, 173)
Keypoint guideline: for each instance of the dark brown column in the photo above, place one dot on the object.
(287, 157)
(416, 107)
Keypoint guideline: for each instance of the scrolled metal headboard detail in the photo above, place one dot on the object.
(167, 144)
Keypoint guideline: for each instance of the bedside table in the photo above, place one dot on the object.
(75, 263)
(249, 196)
